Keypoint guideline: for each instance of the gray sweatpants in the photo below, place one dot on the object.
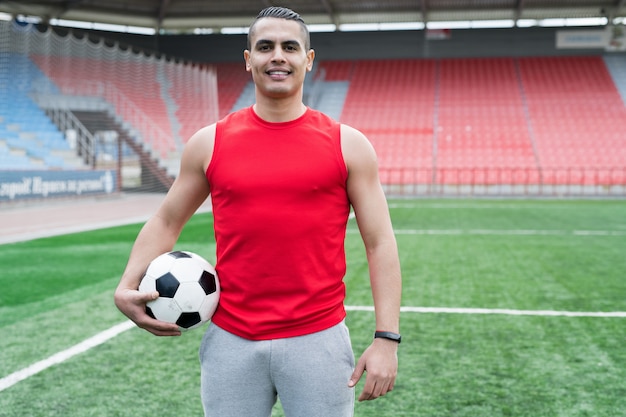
(243, 378)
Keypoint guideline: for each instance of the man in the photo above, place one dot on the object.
(282, 178)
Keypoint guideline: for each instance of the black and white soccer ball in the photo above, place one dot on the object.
(188, 287)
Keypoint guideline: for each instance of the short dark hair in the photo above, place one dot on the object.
(281, 13)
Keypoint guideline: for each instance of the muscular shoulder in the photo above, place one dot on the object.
(357, 150)
(199, 149)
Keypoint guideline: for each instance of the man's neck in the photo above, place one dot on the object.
(279, 110)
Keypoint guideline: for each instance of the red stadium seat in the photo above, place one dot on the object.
(503, 114)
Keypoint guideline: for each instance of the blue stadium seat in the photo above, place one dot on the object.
(23, 125)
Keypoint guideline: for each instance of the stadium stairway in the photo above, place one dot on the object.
(129, 84)
(616, 64)
(332, 98)
(154, 177)
(246, 98)
(392, 102)
(188, 87)
(232, 80)
(171, 107)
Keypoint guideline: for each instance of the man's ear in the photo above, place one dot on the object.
(310, 58)
(246, 57)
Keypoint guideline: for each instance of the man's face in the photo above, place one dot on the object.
(277, 57)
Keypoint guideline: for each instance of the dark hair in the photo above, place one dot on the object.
(281, 13)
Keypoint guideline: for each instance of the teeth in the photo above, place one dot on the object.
(278, 72)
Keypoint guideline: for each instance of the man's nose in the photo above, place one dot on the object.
(278, 55)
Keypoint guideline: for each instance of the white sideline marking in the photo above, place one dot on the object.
(477, 206)
(505, 232)
(509, 312)
(512, 232)
(64, 355)
(106, 335)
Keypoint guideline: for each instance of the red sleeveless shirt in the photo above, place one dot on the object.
(280, 209)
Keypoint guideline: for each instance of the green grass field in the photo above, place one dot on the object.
(528, 256)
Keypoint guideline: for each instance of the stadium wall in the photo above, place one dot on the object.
(411, 45)
(462, 43)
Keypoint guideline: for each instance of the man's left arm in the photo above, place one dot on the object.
(380, 359)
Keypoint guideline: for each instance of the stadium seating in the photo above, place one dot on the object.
(481, 121)
(136, 96)
(438, 117)
(576, 113)
(231, 81)
(28, 139)
(523, 118)
(187, 87)
(391, 101)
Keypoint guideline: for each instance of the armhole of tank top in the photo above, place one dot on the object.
(341, 161)
(216, 142)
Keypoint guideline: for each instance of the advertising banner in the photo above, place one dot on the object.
(611, 38)
(20, 185)
(581, 39)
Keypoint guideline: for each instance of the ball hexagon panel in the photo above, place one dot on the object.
(165, 309)
(187, 270)
(208, 307)
(189, 296)
(147, 284)
(160, 265)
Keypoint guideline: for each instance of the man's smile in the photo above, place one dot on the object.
(278, 74)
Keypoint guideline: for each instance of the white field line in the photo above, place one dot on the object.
(501, 232)
(504, 232)
(64, 355)
(478, 206)
(106, 335)
(510, 232)
(501, 311)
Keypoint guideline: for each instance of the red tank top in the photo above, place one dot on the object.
(280, 209)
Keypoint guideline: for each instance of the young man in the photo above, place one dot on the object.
(282, 178)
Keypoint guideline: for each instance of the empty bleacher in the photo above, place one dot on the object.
(232, 78)
(436, 118)
(529, 118)
(188, 86)
(481, 119)
(392, 102)
(576, 112)
(28, 139)
(130, 85)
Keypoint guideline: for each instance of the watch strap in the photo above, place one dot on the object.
(388, 335)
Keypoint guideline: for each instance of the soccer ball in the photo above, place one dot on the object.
(188, 287)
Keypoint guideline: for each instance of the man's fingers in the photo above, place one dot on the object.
(159, 328)
(145, 297)
(357, 374)
(375, 387)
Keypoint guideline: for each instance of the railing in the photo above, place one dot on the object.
(142, 124)
(83, 142)
(160, 142)
(542, 182)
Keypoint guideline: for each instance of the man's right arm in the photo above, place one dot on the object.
(161, 231)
